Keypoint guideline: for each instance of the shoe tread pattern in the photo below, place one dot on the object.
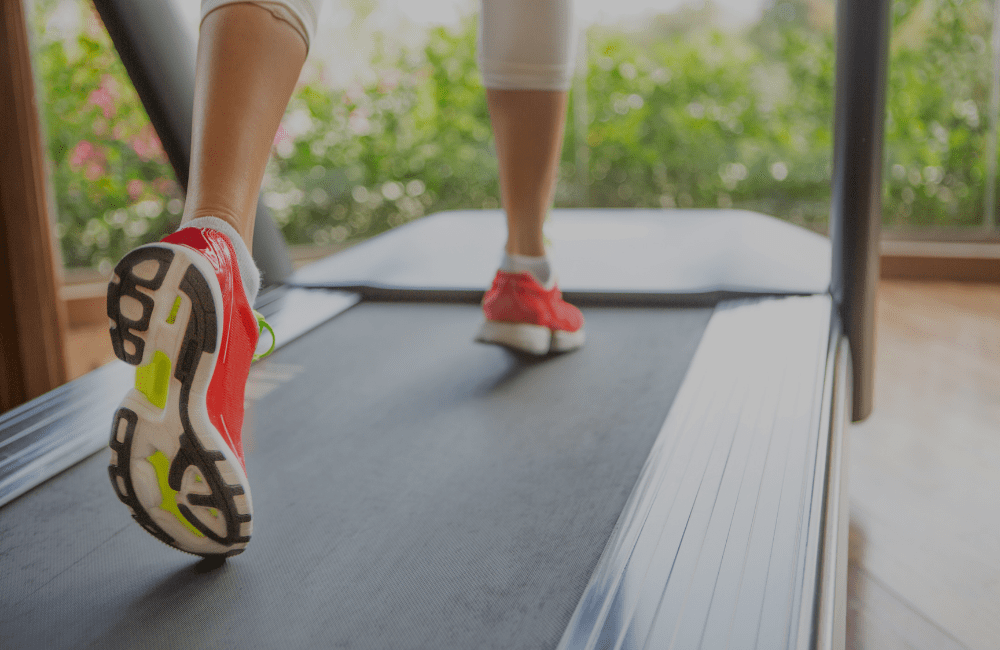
(200, 336)
(128, 285)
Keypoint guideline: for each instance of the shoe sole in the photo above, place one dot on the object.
(533, 339)
(169, 464)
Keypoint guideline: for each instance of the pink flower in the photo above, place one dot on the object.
(389, 81)
(135, 189)
(81, 153)
(146, 145)
(354, 93)
(358, 123)
(142, 147)
(102, 98)
(282, 135)
(94, 170)
(105, 96)
(166, 186)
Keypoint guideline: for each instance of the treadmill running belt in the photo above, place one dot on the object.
(411, 489)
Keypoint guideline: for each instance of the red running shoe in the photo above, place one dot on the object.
(524, 315)
(179, 313)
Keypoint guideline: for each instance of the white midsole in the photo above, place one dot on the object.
(533, 339)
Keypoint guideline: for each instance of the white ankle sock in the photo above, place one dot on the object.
(249, 273)
(539, 267)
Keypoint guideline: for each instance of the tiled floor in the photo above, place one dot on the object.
(925, 471)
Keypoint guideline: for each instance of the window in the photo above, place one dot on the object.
(704, 104)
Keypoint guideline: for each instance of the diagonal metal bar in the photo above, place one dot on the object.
(856, 210)
(156, 48)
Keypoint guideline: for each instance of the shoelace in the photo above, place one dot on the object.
(261, 326)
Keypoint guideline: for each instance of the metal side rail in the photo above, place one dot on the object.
(62, 427)
(734, 535)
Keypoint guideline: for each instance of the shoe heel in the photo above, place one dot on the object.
(563, 341)
(533, 339)
(144, 267)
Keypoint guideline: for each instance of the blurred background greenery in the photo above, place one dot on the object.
(677, 110)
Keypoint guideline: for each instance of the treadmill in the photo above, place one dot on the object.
(679, 482)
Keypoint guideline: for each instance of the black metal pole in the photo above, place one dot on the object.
(158, 54)
(856, 212)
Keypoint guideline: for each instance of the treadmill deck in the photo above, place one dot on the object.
(414, 489)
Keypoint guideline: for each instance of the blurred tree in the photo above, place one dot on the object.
(937, 119)
(679, 114)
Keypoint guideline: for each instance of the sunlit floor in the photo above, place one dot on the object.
(925, 474)
(87, 348)
(925, 470)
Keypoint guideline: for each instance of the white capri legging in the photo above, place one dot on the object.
(523, 44)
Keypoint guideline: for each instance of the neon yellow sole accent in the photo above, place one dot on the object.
(161, 464)
(213, 512)
(153, 379)
(173, 311)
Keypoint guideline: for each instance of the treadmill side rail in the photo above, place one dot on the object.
(824, 624)
(731, 535)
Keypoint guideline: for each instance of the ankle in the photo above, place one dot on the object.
(249, 274)
(243, 228)
(530, 249)
(537, 265)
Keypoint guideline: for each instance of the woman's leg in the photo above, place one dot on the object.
(528, 127)
(177, 454)
(526, 55)
(248, 64)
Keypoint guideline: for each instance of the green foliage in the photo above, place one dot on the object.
(352, 163)
(112, 185)
(681, 115)
(707, 120)
(937, 120)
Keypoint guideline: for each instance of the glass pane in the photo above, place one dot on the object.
(938, 117)
(111, 182)
(676, 104)
(389, 123)
(692, 109)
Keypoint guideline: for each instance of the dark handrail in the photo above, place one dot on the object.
(156, 49)
(856, 211)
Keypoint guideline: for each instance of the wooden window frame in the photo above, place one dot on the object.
(32, 317)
